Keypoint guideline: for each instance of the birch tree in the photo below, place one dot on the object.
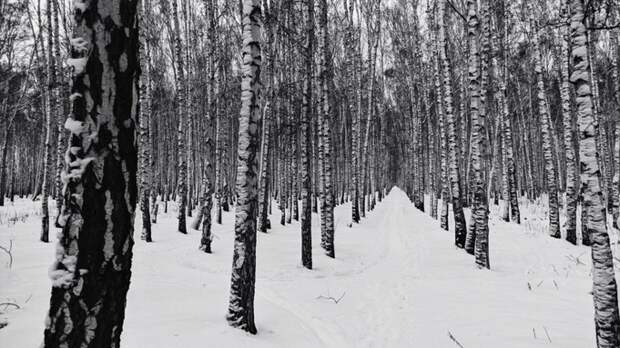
(460, 226)
(327, 234)
(92, 268)
(550, 168)
(241, 304)
(605, 292)
(50, 104)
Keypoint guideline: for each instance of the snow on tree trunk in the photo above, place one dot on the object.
(241, 304)
(605, 293)
(92, 270)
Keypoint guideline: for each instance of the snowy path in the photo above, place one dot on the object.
(401, 280)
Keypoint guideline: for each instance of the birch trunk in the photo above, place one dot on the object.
(92, 270)
(50, 106)
(241, 304)
(569, 143)
(306, 151)
(480, 208)
(547, 147)
(605, 293)
(460, 225)
(181, 111)
(325, 110)
(145, 115)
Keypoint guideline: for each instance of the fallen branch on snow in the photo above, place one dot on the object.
(331, 298)
(547, 332)
(7, 304)
(575, 259)
(9, 252)
(454, 339)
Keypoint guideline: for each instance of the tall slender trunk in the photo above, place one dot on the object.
(569, 143)
(60, 118)
(480, 206)
(441, 120)
(306, 151)
(50, 106)
(325, 111)
(181, 111)
(550, 169)
(352, 71)
(615, 38)
(511, 203)
(145, 115)
(241, 305)
(460, 225)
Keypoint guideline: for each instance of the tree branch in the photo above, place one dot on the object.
(456, 10)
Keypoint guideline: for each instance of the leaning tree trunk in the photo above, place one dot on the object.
(241, 305)
(92, 270)
(605, 293)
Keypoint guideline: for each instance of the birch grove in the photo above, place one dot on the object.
(490, 116)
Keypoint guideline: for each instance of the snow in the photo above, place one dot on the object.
(397, 279)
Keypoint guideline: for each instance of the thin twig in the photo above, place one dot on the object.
(454, 339)
(6, 304)
(9, 252)
(456, 10)
(547, 333)
(332, 298)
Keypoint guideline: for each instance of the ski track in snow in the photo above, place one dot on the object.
(400, 280)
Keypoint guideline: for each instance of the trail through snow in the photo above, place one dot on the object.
(399, 279)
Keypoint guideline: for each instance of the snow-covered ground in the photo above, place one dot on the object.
(397, 281)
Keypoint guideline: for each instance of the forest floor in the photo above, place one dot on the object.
(397, 281)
